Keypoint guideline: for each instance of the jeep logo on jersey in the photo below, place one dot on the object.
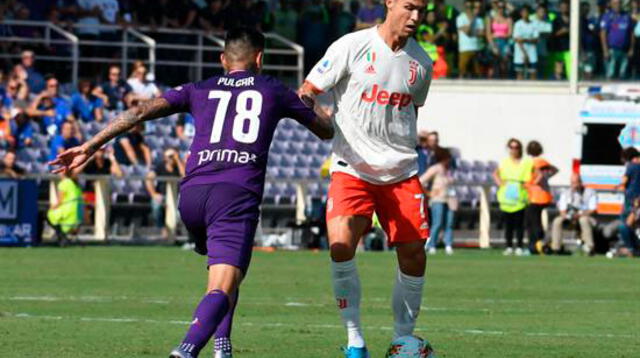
(384, 98)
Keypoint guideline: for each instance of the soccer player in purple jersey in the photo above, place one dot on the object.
(235, 117)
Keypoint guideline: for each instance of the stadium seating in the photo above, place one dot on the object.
(296, 155)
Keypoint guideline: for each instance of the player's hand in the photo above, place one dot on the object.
(71, 158)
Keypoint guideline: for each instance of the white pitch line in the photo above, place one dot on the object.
(249, 301)
(319, 326)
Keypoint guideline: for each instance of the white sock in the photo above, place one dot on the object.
(346, 288)
(407, 296)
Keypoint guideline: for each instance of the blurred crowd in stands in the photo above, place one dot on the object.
(477, 39)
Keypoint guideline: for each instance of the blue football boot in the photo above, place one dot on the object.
(353, 352)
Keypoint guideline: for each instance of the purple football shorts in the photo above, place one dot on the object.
(222, 218)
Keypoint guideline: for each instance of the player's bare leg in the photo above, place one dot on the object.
(407, 292)
(344, 234)
(223, 280)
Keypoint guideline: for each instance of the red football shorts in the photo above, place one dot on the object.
(401, 207)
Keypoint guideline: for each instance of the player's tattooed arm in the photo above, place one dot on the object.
(147, 110)
(75, 157)
(322, 126)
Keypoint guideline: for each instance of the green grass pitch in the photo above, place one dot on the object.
(135, 302)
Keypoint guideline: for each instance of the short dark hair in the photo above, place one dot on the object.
(441, 154)
(534, 148)
(241, 42)
(629, 153)
(49, 76)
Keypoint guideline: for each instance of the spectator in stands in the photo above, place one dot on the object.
(115, 93)
(470, 38)
(6, 139)
(423, 151)
(147, 12)
(34, 78)
(17, 89)
(85, 106)
(577, 206)
(448, 15)
(286, 20)
(499, 28)
(634, 61)
(242, 14)
(212, 18)
(102, 163)
(263, 16)
(525, 35)
(370, 14)
(559, 42)
(51, 107)
(180, 14)
(64, 12)
(69, 137)
(65, 213)
(540, 196)
(313, 34)
(443, 201)
(432, 37)
(130, 149)
(589, 40)
(636, 57)
(544, 28)
(185, 127)
(511, 176)
(171, 166)
(21, 128)
(433, 143)
(109, 15)
(142, 87)
(616, 27)
(88, 13)
(341, 21)
(20, 73)
(23, 13)
(9, 167)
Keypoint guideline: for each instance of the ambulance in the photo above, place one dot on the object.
(609, 121)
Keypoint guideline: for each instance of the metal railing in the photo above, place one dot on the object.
(49, 29)
(166, 47)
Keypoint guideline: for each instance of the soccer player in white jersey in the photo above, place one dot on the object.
(378, 78)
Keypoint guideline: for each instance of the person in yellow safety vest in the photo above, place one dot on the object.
(430, 37)
(425, 39)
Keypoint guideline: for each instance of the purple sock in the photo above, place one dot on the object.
(211, 310)
(223, 333)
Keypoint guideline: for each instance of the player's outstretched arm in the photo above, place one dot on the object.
(74, 157)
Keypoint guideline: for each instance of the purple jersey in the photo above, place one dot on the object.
(235, 118)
